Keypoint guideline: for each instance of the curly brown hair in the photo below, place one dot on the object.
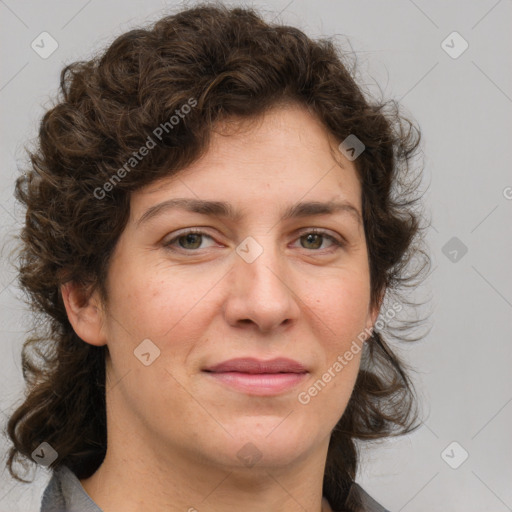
(232, 63)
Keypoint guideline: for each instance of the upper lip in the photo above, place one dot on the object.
(253, 365)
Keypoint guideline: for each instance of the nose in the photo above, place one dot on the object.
(261, 293)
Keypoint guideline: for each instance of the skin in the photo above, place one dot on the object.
(173, 432)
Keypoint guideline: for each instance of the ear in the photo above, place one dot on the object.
(373, 314)
(85, 313)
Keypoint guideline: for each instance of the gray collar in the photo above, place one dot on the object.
(65, 493)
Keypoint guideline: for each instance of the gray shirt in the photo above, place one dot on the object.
(64, 493)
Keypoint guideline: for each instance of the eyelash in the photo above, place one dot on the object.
(338, 244)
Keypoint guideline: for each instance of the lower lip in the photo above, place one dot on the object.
(262, 384)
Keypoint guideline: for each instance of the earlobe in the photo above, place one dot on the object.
(84, 312)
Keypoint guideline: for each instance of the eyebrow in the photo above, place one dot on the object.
(225, 210)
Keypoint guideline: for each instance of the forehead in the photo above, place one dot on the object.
(279, 158)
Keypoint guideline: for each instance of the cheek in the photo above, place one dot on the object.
(340, 318)
(342, 305)
(150, 305)
(175, 319)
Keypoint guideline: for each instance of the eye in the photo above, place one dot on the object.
(315, 237)
(190, 240)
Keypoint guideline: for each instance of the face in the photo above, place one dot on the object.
(254, 284)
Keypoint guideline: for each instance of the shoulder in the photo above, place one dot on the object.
(64, 493)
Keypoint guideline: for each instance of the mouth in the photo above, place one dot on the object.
(258, 377)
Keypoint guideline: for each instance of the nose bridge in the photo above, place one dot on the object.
(261, 290)
(262, 266)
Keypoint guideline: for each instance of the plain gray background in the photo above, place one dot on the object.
(464, 108)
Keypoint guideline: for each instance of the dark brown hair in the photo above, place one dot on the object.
(231, 63)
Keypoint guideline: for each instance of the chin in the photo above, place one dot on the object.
(266, 442)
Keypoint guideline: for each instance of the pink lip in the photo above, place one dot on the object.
(253, 365)
(258, 377)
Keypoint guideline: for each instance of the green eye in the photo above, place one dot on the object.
(314, 236)
(192, 237)
(190, 241)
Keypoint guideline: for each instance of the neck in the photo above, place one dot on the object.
(133, 480)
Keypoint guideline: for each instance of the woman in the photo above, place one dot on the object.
(212, 229)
